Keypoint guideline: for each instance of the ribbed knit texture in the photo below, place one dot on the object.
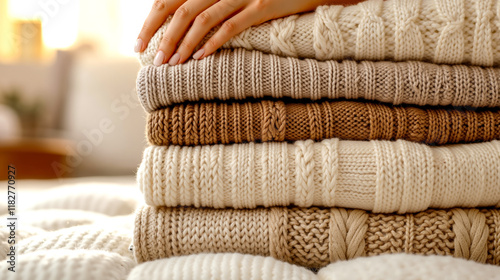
(314, 237)
(227, 123)
(381, 176)
(450, 31)
(232, 266)
(68, 265)
(21, 234)
(240, 74)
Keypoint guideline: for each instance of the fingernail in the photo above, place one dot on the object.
(138, 45)
(160, 56)
(174, 59)
(199, 54)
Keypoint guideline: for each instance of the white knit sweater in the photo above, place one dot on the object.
(243, 267)
(381, 176)
(439, 31)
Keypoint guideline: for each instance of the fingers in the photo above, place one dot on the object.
(159, 12)
(229, 29)
(182, 19)
(203, 23)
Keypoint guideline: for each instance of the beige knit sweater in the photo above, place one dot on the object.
(439, 31)
(381, 176)
(240, 74)
(315, 237)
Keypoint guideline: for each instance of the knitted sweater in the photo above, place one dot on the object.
(240, 74)
(381, 176)
(439, 31)
(226, 123)
(314, 237)
(55, 219)
(232, 266)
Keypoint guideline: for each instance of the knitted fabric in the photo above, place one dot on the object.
(55, 219)
(68, 264)
(221, 267)
(381, 176)
(232, 266)
(226, 123)
(108, 199)
(80, 237)
(20, 234)
(240, 74)
(314, 237)
(409, 267)
(451, 31)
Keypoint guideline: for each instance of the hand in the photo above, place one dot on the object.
(193, 19)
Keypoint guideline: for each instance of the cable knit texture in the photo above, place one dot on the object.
(239, 74)
(227, 123)
(381, 176)
(438, 31)
(315, 237)
(232, 266)
(68, 264)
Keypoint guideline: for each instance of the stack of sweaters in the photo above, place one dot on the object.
(345, 132)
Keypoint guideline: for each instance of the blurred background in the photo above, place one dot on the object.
(67, 87)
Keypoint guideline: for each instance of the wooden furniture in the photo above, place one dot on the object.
(42, 158)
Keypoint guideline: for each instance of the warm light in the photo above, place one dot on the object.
(59, 19)
(133, 14)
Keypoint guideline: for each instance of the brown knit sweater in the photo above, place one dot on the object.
(225, 123)
(315, 237)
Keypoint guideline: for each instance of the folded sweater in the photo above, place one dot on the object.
(315, 237)
(380, 176)
(438, 31)
(240, 74)
(231, 266)
(227, 123)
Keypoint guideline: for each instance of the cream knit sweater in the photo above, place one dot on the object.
(381, 176)
(439, 31)
(246, 267)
